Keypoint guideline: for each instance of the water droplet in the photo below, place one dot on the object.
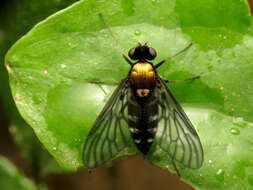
(239, 122)
(219, 60)
(210, 161)
(220, 175)
(250, 179)
(63, 66)
(137, 32)
(235, 131)
(154, 2)
(46, 70)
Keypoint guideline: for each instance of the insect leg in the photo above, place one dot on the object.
(104, 83)
(168, 58)
(115, 39)
(191, 78)
(175, 167)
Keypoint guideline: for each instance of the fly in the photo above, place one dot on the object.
(142, 110)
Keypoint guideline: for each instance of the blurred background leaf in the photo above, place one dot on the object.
(11, 178)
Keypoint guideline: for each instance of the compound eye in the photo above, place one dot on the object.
(132, 54)
(152, 53)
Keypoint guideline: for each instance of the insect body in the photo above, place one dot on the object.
(142, 110)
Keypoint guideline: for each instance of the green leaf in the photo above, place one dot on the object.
(50, 69)
(11, 178)
(228, 151)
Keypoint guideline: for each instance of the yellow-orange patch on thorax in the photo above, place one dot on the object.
(142, 77)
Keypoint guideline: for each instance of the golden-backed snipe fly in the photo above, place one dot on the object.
(142, 110)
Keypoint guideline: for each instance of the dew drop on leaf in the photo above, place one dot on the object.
(154, 2)
(45, 70)
(235, 131)
(137, 32)
(63, 66)
(219, 60)
(220, 175)
(239, 122)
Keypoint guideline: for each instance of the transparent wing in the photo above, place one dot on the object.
(110, 133)
(176, 134)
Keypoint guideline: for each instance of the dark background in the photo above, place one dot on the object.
(130, 174)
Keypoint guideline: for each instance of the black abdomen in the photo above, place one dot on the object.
(142, 117)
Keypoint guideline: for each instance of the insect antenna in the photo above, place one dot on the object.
(115, 39)
(168, 58)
